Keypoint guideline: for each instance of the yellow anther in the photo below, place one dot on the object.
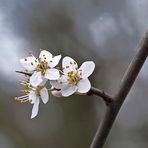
(17, 99)
(73, 78)
(24, 83)
(24, 91)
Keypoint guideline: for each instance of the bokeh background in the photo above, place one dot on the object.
(105, 31)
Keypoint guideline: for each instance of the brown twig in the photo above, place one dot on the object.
(25, 73)
(93, 91)
(125, 86)
(105, 96)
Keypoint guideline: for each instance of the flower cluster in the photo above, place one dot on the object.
(68, 80)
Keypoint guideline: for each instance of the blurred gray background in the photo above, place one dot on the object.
(105, 31)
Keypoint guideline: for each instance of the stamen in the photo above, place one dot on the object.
(24, 91)
(17, 99)
(42, 66)
(25, 100)
(22, 99)
(30, 101)
(73, 78)
(22, 82)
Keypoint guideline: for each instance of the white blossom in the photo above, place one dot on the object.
(74, 79)
(56, 93)
(33, 95)
(42, 68)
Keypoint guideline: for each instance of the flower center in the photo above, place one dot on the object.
(73, 78)
(42, 66)
(38, 89)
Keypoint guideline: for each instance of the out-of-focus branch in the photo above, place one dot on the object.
(125, 86)
(114, 103)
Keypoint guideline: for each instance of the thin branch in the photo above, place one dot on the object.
(25, 73)
(125, 86)
(105, 96)
(93, 91)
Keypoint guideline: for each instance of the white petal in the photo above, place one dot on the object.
(43, 82)
(36, 79)
(68, 65)
(84, 86)
(68, 90)
(29, 63)
(57, 93)
(35, 108)
(45, 56)
(52, 74)
(44, 95)
(54, 61)
(32, 97)
(87, 69)
(59, 83)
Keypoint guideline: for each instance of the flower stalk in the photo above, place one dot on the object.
(93, 91)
